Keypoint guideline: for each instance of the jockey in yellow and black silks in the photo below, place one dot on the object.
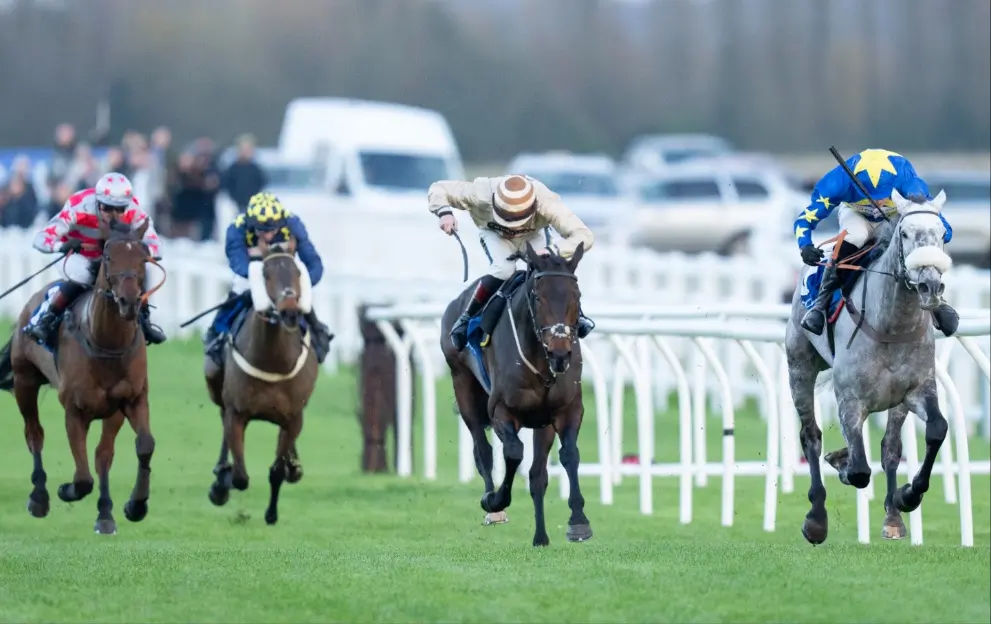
(265, 220)
(881, 172)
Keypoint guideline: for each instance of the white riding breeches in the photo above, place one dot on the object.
(858, 228)
(499, 250)
(81, 269)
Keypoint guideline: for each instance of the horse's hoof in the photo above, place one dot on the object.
(38, 504)
(105, 526)
(837, 459)
(490, 503)
(815, 531)
(136, 510)
(541, 540)
(498, 517)
(294, 473)
(579, 532)
(219, 495)
(74, 492)
(239, 482)
(859, 480)
(893, 529)
(271, 516)
(905, 499)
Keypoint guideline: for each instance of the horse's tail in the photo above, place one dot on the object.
(6, 367)
(824, 382)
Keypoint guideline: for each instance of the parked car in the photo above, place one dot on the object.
(719, 205)
(968, 209)
(587, 184)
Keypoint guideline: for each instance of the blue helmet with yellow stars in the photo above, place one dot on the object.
(265, 213)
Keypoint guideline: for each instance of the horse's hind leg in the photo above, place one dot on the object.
(543, 440)
(923, 402)
(804, 365)
(473, 406)
(504, 425)
(26, 386)
(579, 529)
(294, 470)
(891, 457)
(279, 469)
(220, 489)
(136, 508)
(105, 524)
(77, 427)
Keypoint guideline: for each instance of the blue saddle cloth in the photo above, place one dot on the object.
(476, 334)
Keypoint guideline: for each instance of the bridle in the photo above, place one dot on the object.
(542, 333)
(271, 315)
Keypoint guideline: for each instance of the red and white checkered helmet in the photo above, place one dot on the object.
(114, 189)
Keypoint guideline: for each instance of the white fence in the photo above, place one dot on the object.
(630, 349)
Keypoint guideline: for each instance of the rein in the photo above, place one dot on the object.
(557, 329)
(857, 314)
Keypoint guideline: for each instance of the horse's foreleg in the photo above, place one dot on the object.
(76, 428)
(543, 440)
(234, 425)
(852, 415)
(144, 445)
(105, 523)
(506, 428)
(220, 489)
(26, 395)
(568, 427)
(924, 402)
(294, 471)
(473, 407)
(891, 457)
(277, 472)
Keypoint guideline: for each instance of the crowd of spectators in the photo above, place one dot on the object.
(178, 188)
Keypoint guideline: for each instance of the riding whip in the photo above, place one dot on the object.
(853, 176)
(203, 313)
(32, 276)
(464, 254)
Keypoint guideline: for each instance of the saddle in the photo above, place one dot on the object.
(813, 279)
(482, 324)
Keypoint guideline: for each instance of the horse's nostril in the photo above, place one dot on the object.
(942, 287)
(923, 288)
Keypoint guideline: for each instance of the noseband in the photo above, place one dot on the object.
(272, 316)
(119, 275)
(902, 269)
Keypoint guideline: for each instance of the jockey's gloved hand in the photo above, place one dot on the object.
(73, 244)
(812, 255)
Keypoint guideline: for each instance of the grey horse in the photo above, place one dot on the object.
(881, 356)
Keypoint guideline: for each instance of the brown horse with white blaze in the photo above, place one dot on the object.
(98, 364)
(269, 373)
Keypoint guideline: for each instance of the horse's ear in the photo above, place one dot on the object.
(140, 233)
(899, 201)
(292, 245)
(105, 228)
(939, 200)
(531, 253)
(577, 256)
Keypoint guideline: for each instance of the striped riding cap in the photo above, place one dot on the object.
(513, 202)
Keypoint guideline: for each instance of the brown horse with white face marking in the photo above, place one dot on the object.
(535, 367)
(100, 369)
(269, 373)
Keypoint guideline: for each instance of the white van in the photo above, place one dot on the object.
(371, 152)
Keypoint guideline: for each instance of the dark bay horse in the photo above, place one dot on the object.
(535, 366)
(269, 373)
(99, 366)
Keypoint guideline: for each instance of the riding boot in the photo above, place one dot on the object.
(321, 336)
(214, 338)
(485, 288)
(59, 298)
(832, 278)
(815, 319)
(946, 319)
(585, 324)
(153, 333)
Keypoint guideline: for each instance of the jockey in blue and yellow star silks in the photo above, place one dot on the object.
(264, 220)
(881, 172)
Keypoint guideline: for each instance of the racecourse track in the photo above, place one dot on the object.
(358, 548)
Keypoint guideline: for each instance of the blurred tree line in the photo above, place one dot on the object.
(513, 75)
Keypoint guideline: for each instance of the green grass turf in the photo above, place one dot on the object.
(357, 548)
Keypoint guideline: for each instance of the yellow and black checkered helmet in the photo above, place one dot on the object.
(265, 213)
